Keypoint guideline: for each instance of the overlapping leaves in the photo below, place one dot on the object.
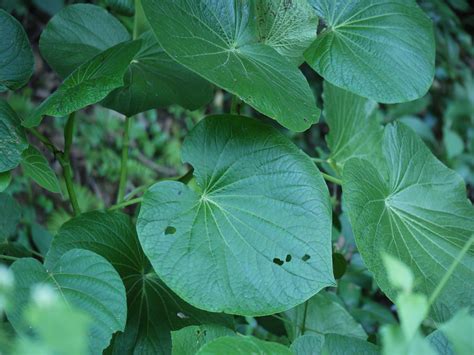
(153, 309)
(218, 40)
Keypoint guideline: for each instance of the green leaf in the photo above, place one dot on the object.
(113, 236)
(322, 314)
(353, 129)
(412, 310)
(287, 26)
(243, 345)
(335, 344)
(122, 7)
(89, 83)
(419, 214)
(5, 179)
(381, 49)
(399, 275)
(255, 238)
(59, 328)
(12, 138)
(77, 34)
(396, 343)
(85, 281)
(155, 80)
(16, 57)
(218, 40)
(35, 166)
(10, 216)
(308, 344)
(459, 331)
(152, 79)
(189, 340)
(41, 237)
(439, 342)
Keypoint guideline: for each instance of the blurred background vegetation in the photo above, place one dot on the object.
(444, 119)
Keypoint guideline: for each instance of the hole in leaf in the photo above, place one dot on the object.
(278, 261)
(288, 258)
(170, 230)
(305, 257)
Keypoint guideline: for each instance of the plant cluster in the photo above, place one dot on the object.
(236, 252)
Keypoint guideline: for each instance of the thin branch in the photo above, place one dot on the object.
(125, 204)
(332, 179)
(124, 160)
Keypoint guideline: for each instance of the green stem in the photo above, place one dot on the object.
(332, 179)
(235, 105)
(43, 139)
(319, 160)
(65, 161)
(303, 325)
(124, 162)
(133, 201)
(135, 20)
(449, 272)
(8, 257)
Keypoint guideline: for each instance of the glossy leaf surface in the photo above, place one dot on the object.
(12, 138)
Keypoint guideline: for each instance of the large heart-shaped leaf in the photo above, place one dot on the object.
(419, 213)
(243, 345)
(381, 49)
(78, 33)
(287, 26)
(155, 80)
(218, 40)
(255, 237)
(16, 57)
(153, 309)
(12, 138)
(353, 130)
(322, 314)
(89, 83)
(83, 279)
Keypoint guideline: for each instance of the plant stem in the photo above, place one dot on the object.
(235, 105)
(43, 139)
(124, 162)
(319, 160)
(449, 272)
(332, 179)
(65, 161)
(8, 257)
(303, 325)
(133, 201)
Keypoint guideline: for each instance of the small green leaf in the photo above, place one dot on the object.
(89, 83)
(35, 166)
(339, 344)
(41, 237)
(218, 40)
(353, 129)
(287, 26)
(243, 345)
(12, 138)
(155, 80)
(412, 311)
(77, 34)
(255, 238)
(324, 313)
(112, 235)
(416, 209)
(16, 57)
(5, 179)
(308, 344)
(84, 280)
(459, 331)
(122, 7)
(10, 216)
(380, 49)
(399, 275)
(189, 340)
